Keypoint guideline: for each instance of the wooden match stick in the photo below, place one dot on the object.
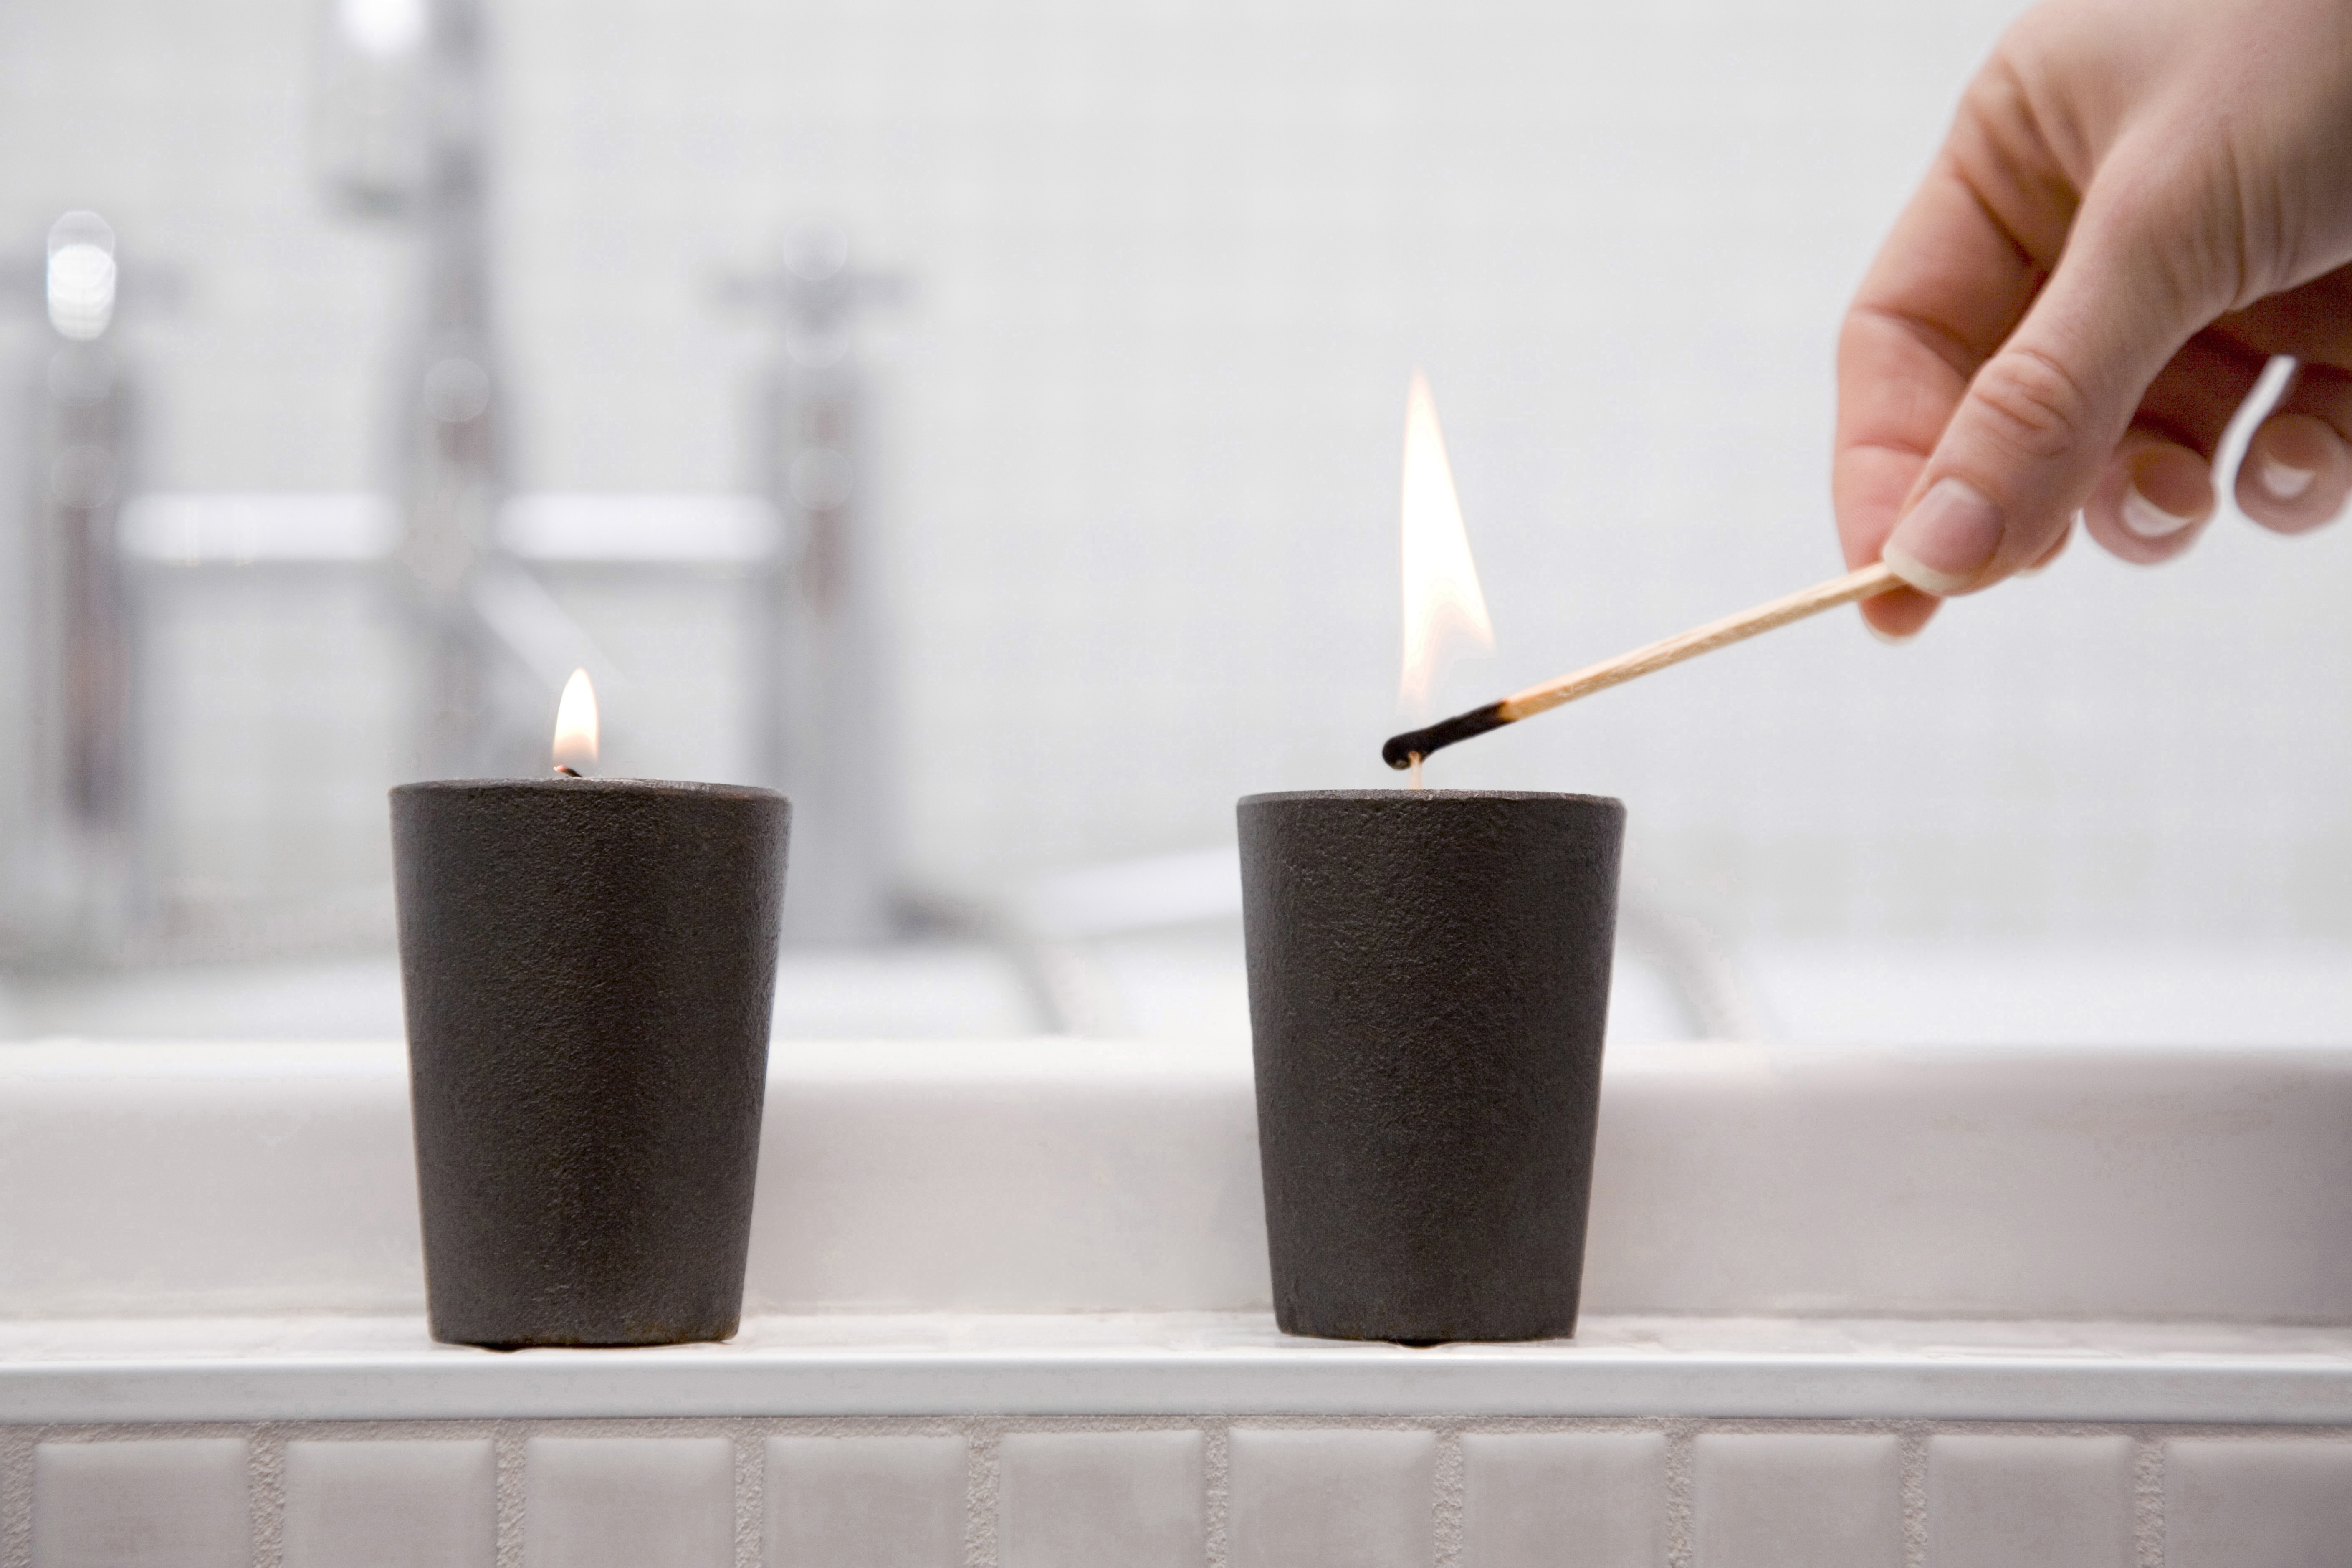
(1403, 750)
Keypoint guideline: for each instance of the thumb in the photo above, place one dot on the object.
(2023, 449)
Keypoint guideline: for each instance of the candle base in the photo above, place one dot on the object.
(1429, 987)
(588, 967)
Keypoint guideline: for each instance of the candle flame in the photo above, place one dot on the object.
(575, 724)
(1444, 613)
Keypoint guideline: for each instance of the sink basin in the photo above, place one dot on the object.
(1062, 1176)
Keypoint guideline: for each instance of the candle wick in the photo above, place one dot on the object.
(567, 773)
(1415, 781)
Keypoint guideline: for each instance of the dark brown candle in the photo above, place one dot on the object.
(588, 967)
(1429, 985)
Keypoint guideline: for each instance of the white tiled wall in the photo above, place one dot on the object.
(883, 1502)
(1791, 1500)
(2030, 1502)
(1080, 1492)
(2257, 1502)
(1304, 1498)
(646, 1502)
(391, 1503)
(175, 1502)
(1073, 1500)
(1567, 1499)
(1139, 421)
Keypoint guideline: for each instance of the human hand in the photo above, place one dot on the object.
(2140, 201)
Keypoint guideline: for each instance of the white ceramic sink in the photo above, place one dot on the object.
(1065, 1175)
(1184, 985)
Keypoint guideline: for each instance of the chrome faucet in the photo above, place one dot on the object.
(452, 469)
(75, 873)
(405, 136)
(408, 140)
(825, 728)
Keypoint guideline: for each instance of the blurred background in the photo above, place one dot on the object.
(986, 425)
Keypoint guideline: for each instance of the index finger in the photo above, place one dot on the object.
(1952, 281)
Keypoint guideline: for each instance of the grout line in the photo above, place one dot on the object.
(751, 1492)
(1216, 1488)
(2147, 1498)
(1912, 1439)
(507, 1441)
(266, 1496)
(1682, 1457)
(1445, 1500)
(16, 1445)
(979, 1493)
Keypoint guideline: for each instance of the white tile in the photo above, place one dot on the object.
(178, 1502)
(1331, 1498)
(876, 1502)
(1797, 1501)
(1080, 1499)
(2030, 1502)
(1563, 1500)
(2267, 1503)
(399, 1504)
(629, 1502)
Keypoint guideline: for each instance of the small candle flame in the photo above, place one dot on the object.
(1444, 613)
(575, 725)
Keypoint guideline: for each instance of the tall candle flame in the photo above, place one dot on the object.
(1444, 613)
(575, 724)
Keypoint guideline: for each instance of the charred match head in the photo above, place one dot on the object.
(1868, 581)
(1400, 749)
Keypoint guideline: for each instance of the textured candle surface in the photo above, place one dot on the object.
(1429, 983)
(588, 967)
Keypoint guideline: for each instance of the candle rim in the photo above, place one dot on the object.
(598, 784)
(1410, 797)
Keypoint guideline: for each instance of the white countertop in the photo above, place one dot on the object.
(1059, 1175)
(1075, 1227)
(239, 1369)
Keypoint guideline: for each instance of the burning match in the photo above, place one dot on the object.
(1403, 750)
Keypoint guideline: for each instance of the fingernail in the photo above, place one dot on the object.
(2284, 480)
(1892, 639)
(2146, 519)
(1946, 540)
